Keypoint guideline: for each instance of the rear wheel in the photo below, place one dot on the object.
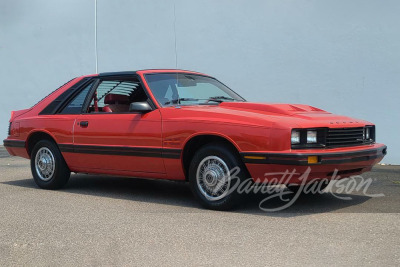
(48, 167)
(213, 177)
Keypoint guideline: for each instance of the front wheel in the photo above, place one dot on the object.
(214, 174)
(48, 167)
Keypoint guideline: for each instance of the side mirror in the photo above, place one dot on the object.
(141, 107)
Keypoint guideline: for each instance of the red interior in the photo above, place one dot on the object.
(116, 103)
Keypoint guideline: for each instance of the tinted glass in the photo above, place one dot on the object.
(116, 95)
(189, 89)
(75, 106)
(115, 87)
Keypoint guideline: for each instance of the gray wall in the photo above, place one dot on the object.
(342, 56)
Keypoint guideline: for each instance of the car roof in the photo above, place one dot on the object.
(148, 71)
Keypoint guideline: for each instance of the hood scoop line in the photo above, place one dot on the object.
(283, 109)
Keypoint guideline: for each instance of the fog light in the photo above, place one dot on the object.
(312, 159)
(311, 137)
(295, 139)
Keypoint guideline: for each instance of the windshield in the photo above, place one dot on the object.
(189, 89)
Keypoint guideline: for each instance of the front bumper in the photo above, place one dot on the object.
(321, 163)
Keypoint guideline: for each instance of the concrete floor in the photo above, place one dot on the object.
(100, 220)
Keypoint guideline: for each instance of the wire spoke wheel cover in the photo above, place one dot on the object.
(45, 164)
(213, 178)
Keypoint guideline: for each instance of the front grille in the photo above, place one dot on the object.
(341, 137)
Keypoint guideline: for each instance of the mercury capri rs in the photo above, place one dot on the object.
(186, 126)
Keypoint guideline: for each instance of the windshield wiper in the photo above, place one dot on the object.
(178, 100)
(220, 98)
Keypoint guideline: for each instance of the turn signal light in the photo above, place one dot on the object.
(312, 159)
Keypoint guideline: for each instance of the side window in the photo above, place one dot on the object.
(121, 88)
(116, 96)
(75, 106)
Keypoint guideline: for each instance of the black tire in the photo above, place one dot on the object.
(320, 185)
(231, 160)
(60, 173)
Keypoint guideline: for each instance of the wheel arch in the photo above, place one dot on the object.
(35, 137)
(195, 142)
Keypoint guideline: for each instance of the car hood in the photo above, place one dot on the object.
(262, 114)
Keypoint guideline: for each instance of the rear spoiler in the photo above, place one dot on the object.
(18, 113)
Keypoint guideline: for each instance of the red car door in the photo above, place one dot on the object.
(123, 142)
(110, 139)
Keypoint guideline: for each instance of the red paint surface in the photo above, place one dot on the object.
(249, 127)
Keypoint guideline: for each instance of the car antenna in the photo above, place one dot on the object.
(176, 50)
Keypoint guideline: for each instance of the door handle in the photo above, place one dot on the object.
(84, 123)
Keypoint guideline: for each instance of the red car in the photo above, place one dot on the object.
(188, 126)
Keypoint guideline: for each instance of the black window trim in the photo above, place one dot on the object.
(89, 95)
(72, 97)
(54, 108)
(59, 102)
(111, 77)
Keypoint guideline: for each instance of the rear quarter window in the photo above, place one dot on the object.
(75, 106)
(53, 92)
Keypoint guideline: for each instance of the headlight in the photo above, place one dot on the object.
(295, 139)
(308, 138)
(367, 133)
(311, 137)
